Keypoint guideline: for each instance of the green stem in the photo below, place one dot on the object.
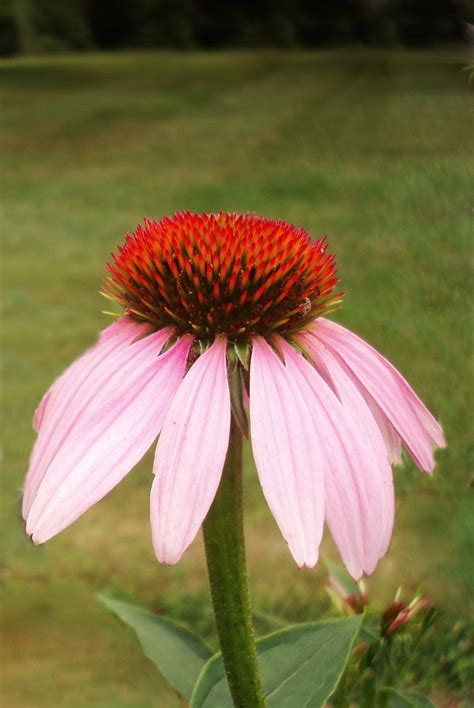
(225, 553)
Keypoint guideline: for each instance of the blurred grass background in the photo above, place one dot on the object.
(370, 147)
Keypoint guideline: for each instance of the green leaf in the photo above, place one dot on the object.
(370, 630)
(301, 666)
(403, 699)
(273, 623)
(179, 654)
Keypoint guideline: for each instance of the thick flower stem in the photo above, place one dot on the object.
(225, 552)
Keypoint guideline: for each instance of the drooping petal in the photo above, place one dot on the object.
(393, 441)
(190, 454)
(40, 410)
(409, 417)
(389, 434)
(287, 454)
(120, 332)
(83, 386)
(108, 441)
(369, 466)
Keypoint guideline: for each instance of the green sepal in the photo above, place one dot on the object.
(112, 314)
(243, 354)
(202, 346)
(429, 618)
(298, 343)
(236, 398)
(170, 342)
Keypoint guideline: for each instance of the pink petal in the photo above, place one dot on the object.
(39, 412)
(392, 439)
(389, 434)
(122, 330)
(287, 454)
(108, 441)
(84, 385)
(190, 454)
(369, 467)
(397, 401)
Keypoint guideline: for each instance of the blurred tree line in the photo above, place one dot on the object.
(28, 26)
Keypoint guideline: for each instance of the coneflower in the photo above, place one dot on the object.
(223, 325)
(203, 294)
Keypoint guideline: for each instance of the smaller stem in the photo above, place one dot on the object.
(225, 553)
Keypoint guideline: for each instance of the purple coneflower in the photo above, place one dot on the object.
(223, 315)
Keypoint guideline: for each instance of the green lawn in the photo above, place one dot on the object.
(369, 147)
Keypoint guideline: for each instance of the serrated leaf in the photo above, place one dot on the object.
(179, 654)
(301, 666)
(404, 699)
